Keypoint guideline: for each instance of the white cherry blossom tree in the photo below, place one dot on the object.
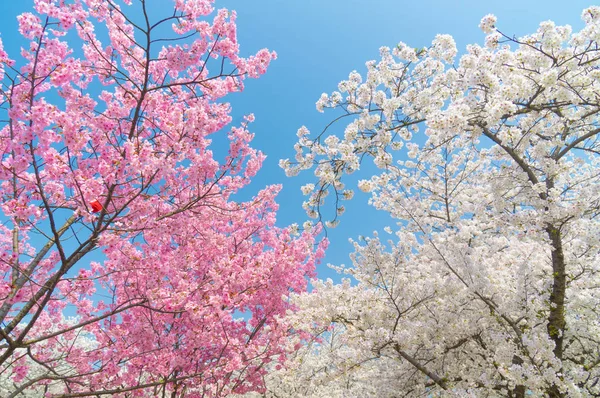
(489, 166)
(326, 365)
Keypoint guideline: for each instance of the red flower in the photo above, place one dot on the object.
(96, 206)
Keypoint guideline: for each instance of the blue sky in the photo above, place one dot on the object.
(318, 43)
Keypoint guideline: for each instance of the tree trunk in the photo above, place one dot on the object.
(556, 319)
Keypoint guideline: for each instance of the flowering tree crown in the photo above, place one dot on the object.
(108, 147)
(489, 165)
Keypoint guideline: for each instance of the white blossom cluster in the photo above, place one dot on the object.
(489, 166)
(326, 367)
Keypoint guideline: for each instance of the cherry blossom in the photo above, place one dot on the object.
(118, 223)
(489, 169)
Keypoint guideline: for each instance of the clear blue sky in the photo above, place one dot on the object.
(318, 43)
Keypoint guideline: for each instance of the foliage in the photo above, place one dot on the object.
(106, 147)
(489, 166)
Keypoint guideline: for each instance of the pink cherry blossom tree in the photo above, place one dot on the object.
(127, 268)
(489, 170)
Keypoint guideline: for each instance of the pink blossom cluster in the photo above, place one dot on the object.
(111, 152)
